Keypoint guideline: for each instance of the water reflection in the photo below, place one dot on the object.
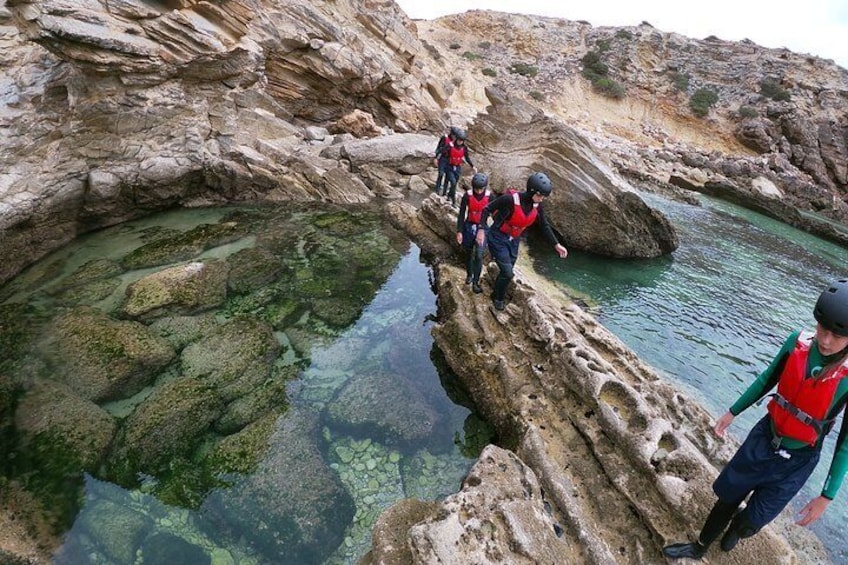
(713, 314)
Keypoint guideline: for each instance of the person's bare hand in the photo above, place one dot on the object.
(722, 423)
(459, 237)
(561, 251)
(813, 510)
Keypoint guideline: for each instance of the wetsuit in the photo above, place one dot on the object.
(474, 203)
(442, 151)
(504, 247)
(774, 486)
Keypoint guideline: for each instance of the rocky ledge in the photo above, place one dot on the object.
(608, 461)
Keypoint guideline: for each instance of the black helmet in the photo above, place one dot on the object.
(539, 182)
(479, 180)
(460, 134)
(454, 131)
(831, 309)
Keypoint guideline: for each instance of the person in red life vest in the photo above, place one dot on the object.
(473, 202)
(783, 448)
(441, 158)
(513, 212)
(457, 154)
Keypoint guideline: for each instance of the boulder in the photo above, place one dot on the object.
(288, 509)
(101, 358)
(591, 206)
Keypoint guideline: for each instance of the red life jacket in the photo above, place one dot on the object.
(475, 207)
(800, 406)
(515, 224)
(456, 155)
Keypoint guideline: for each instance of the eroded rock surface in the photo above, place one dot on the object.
(624, 460)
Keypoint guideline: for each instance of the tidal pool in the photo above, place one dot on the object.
(237, 385)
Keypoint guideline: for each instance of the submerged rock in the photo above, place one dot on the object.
(168, 423)
(62, 431)
(291, 506)
(184, 289)
(385, 406)
(233, 360)
(102, 358)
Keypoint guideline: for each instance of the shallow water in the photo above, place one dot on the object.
(712, 316)
(349, 409)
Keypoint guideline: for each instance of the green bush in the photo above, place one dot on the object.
(472, 56)
(536, 95)
(771, 89)
(680, 81)
(702, 100)
(593, 66)
(609, 88)
(748, 112)
(489, 72)
(624, 34)
(603, 45)
(524, 69)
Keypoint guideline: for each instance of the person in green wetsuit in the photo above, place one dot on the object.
(810, 374)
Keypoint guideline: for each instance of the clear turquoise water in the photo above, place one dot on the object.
(138, 522)
(713, 314)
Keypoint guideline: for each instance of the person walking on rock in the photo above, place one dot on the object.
(473, 202)
(441, 159)
(456, 155)
(513, 212)
(783, 448)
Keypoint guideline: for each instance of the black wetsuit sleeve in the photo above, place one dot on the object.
(545, 226)
(502, 205)
(468, 157)
(460, 217)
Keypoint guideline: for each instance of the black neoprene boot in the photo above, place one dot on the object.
(679, 550)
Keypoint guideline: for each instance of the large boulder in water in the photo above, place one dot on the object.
(104, 359)
(384, 406)
(591, 206)
(293, 508)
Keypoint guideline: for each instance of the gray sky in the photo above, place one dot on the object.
(817, 27)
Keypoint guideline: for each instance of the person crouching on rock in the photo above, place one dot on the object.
(456, 155)
(783, 448)
(514, 212)
(473, 202)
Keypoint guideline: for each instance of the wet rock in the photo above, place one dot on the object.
(184, 289)
(184, 246)
(163, 547)
(168, 423)
(365, 403)
(61, 430)
(114, 529)
(233, 360)
(291, 506)
(101, 358)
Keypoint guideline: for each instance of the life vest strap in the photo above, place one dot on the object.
(801, 416)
